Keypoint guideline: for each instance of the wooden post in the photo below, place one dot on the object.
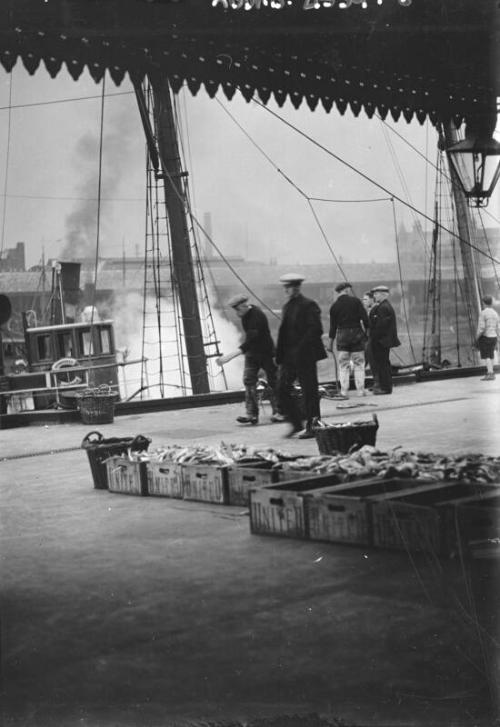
(182, 259)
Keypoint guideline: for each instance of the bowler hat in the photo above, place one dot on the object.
(292, 279)
(237, 299)
(380, 289)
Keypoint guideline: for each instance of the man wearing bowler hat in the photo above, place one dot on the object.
(383, 336)
(258, 350)
(298, 349)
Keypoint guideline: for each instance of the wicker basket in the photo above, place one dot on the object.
(100, 449)
(97, 406)
(344, 438)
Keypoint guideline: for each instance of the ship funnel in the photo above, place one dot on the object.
(70, 284)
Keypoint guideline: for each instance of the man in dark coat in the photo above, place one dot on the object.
(258, 350)
(299, 347)
(383, 336)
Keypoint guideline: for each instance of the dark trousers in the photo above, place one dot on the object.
(382, 372)
(254, 364)
(369, 361)
(290, 405)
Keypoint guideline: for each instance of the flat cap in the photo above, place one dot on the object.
(292, 279)
(380, 289)
(237, 299)
(342, 286)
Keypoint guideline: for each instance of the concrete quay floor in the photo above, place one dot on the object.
(147, 611)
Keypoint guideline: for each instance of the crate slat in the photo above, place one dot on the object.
(205, 483)
(165, 479)
(127, 477)
(242, 479)
(417, 520)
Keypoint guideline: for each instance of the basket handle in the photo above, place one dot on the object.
(91, 438)
(140, 442)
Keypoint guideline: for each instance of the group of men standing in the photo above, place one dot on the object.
(365, 333)
(300, 345)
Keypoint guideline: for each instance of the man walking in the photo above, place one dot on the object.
(298, 350)
(349, 324)
(383, 336)
(258, 350)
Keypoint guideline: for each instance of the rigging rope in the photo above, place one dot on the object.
(369, 179)
(404, 185)
(414, 148)
(63, 100)
(297, 188)
(344, 201)
(6, 176)
(327, 242)
(208, 321)
(98, 222)
(403, 297)
(488, 246)
(455, 276)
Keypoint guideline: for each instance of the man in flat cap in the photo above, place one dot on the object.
(383, 336)
(349, 324)
(258, 350)
(298, 350)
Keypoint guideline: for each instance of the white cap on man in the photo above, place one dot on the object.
(380, 289)
(292, 279)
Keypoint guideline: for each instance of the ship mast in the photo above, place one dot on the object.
(472, 283)
(164, 153)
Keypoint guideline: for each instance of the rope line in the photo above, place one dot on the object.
(98, 219)
(62, 100)
(399, 172)
(6, 175)
(216, 248)
(293, 184)
(346, 201)
(403, 297)
(489, 248)
(369, 179)
(409, 144)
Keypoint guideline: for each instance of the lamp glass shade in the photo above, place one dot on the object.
(477, 166)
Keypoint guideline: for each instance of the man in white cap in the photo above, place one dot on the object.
(383, 336)
(258, 350)
(298, 350)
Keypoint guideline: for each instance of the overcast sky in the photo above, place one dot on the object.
(51, 179)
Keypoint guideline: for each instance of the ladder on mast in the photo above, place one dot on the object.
(179, 337)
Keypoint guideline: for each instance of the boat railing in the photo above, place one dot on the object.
(65, 366)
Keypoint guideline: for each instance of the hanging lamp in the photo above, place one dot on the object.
(476, 161)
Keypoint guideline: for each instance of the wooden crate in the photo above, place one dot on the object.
(473, 519)
(415, 520)
(165, 479)
(278, 509)
(127, 477)
(242, 479)
(342, 514)
(205, 483)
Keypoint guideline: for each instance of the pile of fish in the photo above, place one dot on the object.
(369, 462)
(366, 462)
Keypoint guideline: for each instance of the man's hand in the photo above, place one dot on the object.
(228, 357)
